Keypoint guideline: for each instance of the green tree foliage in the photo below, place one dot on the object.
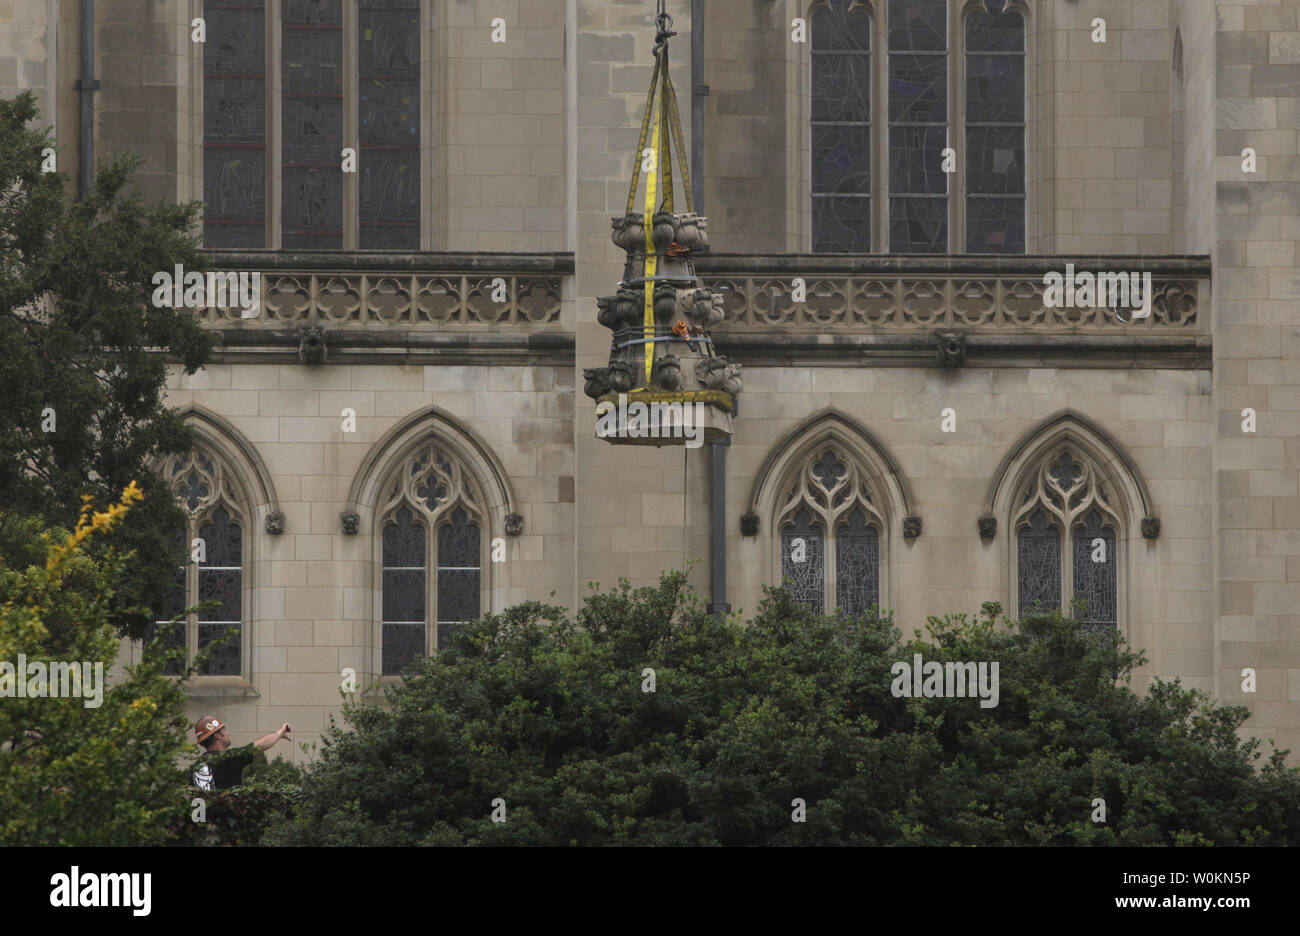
(549, 715)
(79, 338)
(72, 774)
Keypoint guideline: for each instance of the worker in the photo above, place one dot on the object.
(220, 768)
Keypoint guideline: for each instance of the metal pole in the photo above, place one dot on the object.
(718, 528)
(88, 86)
(698, 92)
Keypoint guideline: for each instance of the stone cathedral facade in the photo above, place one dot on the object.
(890, 187)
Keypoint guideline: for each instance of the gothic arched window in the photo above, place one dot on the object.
(209, 493)
(1066, 542)
(947, 66)
(830, 534)
(431, 546)
(316, 207)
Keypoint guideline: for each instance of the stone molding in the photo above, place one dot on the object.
(367, 290)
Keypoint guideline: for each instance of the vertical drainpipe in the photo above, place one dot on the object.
(87, 85)
(718, 604)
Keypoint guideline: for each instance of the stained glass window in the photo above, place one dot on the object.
(458, 573)
(312, 124)
(857, 564)
(914, 110)
(995, 132)
(404, 544)
(841, 127)
(208, 492)
(389, 166)
(1066, 492)
(173, 606)
(310, 35)
(221, 580)
(830, 533)
(433, 524)
(1095, 582)
(801, 560)
(1039, 564)
(918, 125)
(234, 124)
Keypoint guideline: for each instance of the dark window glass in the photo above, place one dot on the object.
(1095, 583)
(459, 573)
(403, 614)
(1038, 564)
(995, 132)
(389, 160)
(841, 128)
(173, 606)
(312, 125)
(221, 580)
(809, 575)
(918, 126)
(234, 124)
(857, 564)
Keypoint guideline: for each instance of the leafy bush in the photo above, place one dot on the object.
(548, 714)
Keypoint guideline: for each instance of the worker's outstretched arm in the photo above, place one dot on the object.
(268, 741)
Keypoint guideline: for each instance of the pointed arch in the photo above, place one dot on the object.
(1076, 510)
(432, 496)
(432, 424)
(834, 500)
(239, 454)
(882, 469)
(1069, 425)
(227, 493)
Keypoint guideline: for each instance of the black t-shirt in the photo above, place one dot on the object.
(221, 770)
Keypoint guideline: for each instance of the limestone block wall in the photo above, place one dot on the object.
(315, 590)
(1195, 23)
(1161, 418)
(499, 141)
(1257, 365)
(28, 52)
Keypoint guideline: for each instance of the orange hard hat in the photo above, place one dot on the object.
(206, 727)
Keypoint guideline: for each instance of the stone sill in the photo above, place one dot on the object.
(220, 687)
(382, 261)
(1190, 266)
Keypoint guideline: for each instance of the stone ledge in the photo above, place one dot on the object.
(916, 349)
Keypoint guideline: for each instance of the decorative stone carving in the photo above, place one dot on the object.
(311, 347)
(351, 522)
(1150, 527)
(275, 523)
(911, 526)
(749, 524)
(514, 524)
(945, 300)
(952, 348)
(668, 372)
(397, 298)
(661, 358)
(597, 381)
(988, 526)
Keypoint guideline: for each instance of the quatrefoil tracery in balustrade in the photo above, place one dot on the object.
(201, 481)
(432, 483)
(1067, 487)
(829, 485)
